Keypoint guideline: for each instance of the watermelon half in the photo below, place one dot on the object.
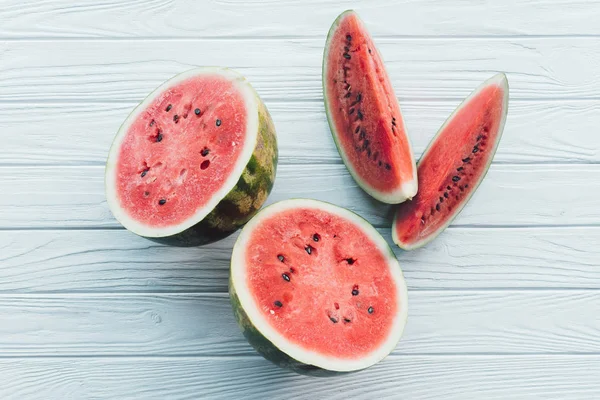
(364, 115)
(454, 164)
(194, 161)
(316, 288)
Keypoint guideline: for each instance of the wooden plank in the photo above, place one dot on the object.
(414, 377)
(51, 261)
(81, 133)
(440, 322)
(239, 19)
(290, 69)
(511, 195)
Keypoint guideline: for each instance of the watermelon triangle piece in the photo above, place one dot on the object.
(364, 115)
(454, 164)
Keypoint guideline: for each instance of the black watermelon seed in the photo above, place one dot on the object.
(369, 51)
(380, 163)
(218, 122)
(455, 178)
(348, 37)
(278, 303)
(448, 187)
(351, 111)
(388, 166)
(333, 319)
(169, 108)
(347, 56)
(359, 115)
(144, 173)
(354, 292)
(152, 123)
(197, 111)
(359, 97)
(394, 121)
(316, 237)
(348, 94)
(475, 149)
(368, 152)
(459, 169)
(441, 199)
(280, 257)
(346, 48)
(204, 152)
(357, 129)
(446, 194)
(362, 135)
(370, 310)
(365, 144)
(176, 118)
(350, 261)
(308, 249)
(162, 202)
(285, 277)
(466, 185)
(437, 207)
(159, 138)
(146, 193)
(479, 137)
(465, 160)
(346, 320)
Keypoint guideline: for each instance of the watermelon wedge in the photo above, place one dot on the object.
(316, 288)
(364, 115)
(194, 161)
(454, 164)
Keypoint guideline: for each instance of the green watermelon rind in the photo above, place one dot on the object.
(266, 346)
(246, 197)
(498, 79)
(399, 195)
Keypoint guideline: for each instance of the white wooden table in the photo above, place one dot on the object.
(505, 304)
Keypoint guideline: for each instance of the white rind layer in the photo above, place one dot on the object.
(406, 190)
(497, 80)
(251, 137)
(239, 282)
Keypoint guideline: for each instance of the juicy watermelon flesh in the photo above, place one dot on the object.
(184, 157)
(365, 111)
(452, 166)
(337, 296)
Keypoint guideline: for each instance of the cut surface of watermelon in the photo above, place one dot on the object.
(183, 150)
(320, 284)
(364, 115)
(454, 164)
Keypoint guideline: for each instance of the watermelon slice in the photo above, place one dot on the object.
(316, 288)
(194, 161)
(364, 115)
(454, 164)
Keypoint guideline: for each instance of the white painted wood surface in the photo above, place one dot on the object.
(504, 304)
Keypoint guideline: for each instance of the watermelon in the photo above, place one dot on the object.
(194, 161)
(454, 164)
(316, 288)
(364, 115)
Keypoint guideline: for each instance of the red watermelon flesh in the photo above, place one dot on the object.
(454, 164)
(180, 150)
(364, 114)
(322, 282)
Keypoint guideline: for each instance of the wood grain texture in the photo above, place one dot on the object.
(536, 132)
(290, 69)
(116, 261)
(440, 323)
(267, 18)
(511, 195)
(414, 377)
